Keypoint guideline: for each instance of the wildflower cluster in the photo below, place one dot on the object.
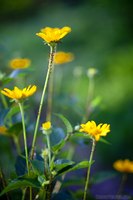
(44, 170)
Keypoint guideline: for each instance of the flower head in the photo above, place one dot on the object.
(46, 125)
(123, 166)
(18, 94)
(53, 35)
(19, 63)
(62, 57)
(95, 131)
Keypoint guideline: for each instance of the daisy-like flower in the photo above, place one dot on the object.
(95, 131)
(53, 35)
(123, 166)
(62, 57)
(19, 63)
(46, 126)
(18, 94)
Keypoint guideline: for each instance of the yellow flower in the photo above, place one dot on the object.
(46, 126)
(19, 63)
(18, 94)
(62, 57)
(3, 130)
(123, 166)
(53, 35)
(95, 131)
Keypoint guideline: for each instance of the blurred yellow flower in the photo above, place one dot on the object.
(95, 131)
(19, 63)
(53, 35)
(3, 130)
(62, 57)
(123, 166)
(18, 94)
(46, 126)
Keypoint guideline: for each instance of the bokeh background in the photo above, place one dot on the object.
(101, 37)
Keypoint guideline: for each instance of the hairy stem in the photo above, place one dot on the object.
(50, 67)
(24, 135)
(89, 168)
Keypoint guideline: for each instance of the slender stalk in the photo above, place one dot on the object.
(50, 67)
(30, 188)
(49, 189)
(24, 135)
(49, 148)
(89, 168)
(122, 184)
(50, 96)
(23, 193)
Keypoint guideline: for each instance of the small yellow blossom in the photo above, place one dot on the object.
(19, 63)
(46, 126)
(3, 130)
(62, 57)
(95, 131)
(53, 35)
(18, 94)
(123, 166)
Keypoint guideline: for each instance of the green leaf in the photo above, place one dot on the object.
(104, 141)
(6, 80)
(38, 166)
(21, 183)
(58, 146)
(42, 180)
(83, 164)
(82, 135)
(66, 122)
(60, 164)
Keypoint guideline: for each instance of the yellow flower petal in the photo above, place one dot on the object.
(123, 166)
(53, 34)
(62, 57)
(19, 63)
(95, 131)
(18, 94)
(46, 126)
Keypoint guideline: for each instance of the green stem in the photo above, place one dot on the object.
(24, 135)
(89, 168)
(50, 67)
(50, 96)
(49, 148)
(23, 193)
(30, 188)
(122, 184)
